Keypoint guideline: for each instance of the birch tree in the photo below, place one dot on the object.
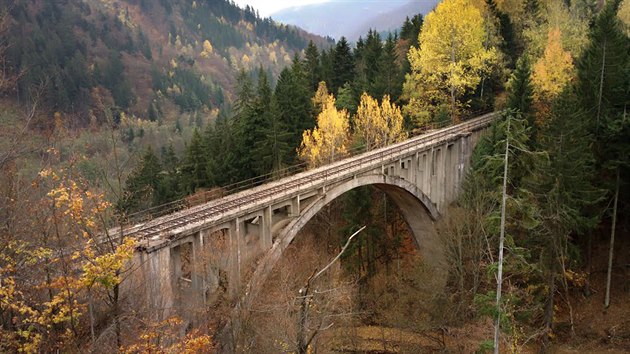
(329, 140)
(450, 60)
(377, 126)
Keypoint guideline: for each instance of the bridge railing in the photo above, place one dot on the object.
(385, 154)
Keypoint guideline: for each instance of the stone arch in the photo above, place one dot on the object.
(418, 211)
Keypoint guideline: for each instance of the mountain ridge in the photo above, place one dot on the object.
(351, 19)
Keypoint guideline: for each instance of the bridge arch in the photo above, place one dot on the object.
(418, 210)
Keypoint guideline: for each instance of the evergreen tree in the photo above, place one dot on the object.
(520, 95)
(560, 189)
(258, 125)
(407, 29)
(506, 29)
(347, 99)
(275, 152)
(326, 60)
(142, 186)
(245, 120)
(372, 56)
(601, 67)
(221, 143)
(194, 173)
(169, 189)
(312, 65)
(389, 79)
(411, 29)
(293, 105)
(342, 65)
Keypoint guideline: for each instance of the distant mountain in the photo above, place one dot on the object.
(353, 18)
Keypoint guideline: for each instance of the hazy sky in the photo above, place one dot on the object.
(267, 7)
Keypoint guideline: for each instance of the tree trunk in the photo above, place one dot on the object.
(91, 308)
(550, 300)
(601, 85)
(116, 316)
(612, 242)
(302, 319)
(502, 239)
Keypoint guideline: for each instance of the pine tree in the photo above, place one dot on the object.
(342, 65)
(274, 151)
(389, 79)
(222, 151)
(601, 67)
(169, 189)
(293, 105)
(194, 173)
(506, 29)
(142, 185)
(520, 89)
(560, 188)
(520, 95)
(312, 65)
(326, 60)
(347, 99)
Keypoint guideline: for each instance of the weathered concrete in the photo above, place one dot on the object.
(191, 254)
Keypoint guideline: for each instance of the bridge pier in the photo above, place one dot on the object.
(235, 256)
(267, 225)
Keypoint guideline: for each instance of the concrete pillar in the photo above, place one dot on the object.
(266, 227)
(423, 172)
(196, 263)
(236, 230)
(157, 269)
(465, 155)
(413, 169)
(441, 166)
(295, 206)
(448, 173)
(202, 265)
(434, 172)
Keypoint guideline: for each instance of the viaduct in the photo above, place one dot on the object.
(230, 245)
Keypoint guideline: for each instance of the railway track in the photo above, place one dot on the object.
(323, 175)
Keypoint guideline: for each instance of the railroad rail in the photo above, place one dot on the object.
(164, 226)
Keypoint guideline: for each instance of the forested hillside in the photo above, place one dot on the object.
(139, 57)
(115, 112)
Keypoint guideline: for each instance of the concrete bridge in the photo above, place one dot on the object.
(232, 244)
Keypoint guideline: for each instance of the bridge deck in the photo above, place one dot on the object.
(156, 232)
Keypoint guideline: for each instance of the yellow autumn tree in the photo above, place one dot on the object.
(377, 126)
(207, 49)
(329, 140)
(554, 70)
(320, 97)
(451, 60)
